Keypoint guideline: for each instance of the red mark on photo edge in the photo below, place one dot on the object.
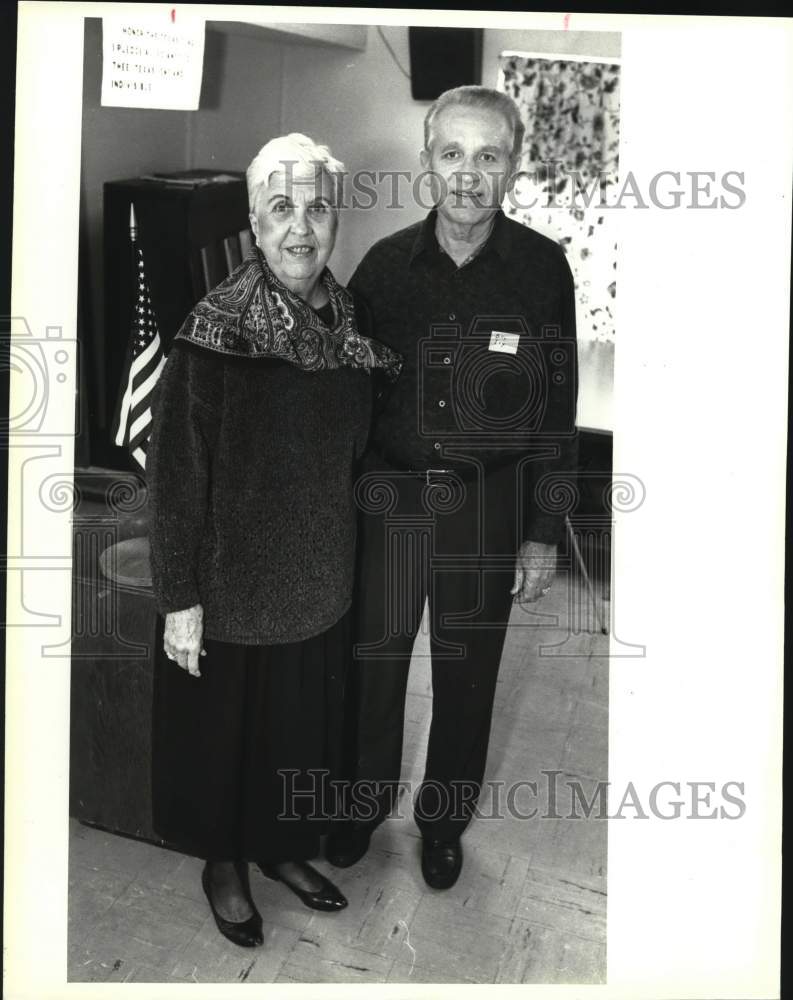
(173, 16)
(566, 21)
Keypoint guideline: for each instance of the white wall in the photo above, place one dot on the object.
(359, 103)
(241, 101)
(573, 43)
(257, 85)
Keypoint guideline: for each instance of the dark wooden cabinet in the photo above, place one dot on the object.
(113, 635)
(174, 223)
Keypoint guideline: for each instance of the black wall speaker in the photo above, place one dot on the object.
(442, 58)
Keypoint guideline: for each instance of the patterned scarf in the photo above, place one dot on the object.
(254, 315)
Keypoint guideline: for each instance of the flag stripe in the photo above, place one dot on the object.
(144, 390)
(121, 432)
(152, 351)
(139, 426)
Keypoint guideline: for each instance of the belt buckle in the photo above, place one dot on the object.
(430, 472)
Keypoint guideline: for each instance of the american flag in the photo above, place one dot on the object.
(144, 363)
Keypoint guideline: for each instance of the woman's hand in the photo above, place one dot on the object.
(183, 634)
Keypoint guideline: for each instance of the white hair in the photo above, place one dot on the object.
(478, 97)
(289, 153)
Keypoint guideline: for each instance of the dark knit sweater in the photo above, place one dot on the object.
(250, 473)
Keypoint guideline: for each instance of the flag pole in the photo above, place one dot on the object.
(145, 360)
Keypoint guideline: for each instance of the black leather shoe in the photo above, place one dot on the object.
(327, 897)
(245, 933)
(441, 862)
(347, 844)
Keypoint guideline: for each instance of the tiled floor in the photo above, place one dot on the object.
(530, 904)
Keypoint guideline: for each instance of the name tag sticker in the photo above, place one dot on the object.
(506, 343)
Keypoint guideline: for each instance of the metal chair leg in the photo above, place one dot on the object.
(582, 567)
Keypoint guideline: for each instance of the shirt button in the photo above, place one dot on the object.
(437, 446)
(452, 316)
(447, 361)
(441, 402)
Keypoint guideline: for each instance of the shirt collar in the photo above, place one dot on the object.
(426, 241)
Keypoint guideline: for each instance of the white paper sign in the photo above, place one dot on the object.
(152, 61)
(505, 343)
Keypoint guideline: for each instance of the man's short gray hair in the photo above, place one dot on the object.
(295, 154)
(477, 97)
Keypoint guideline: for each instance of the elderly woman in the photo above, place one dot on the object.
(261, 412)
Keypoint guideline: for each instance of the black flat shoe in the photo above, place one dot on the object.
(327, 897)
(347, 844)
(245, 933)
(441, 862)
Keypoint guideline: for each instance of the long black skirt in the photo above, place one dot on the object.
(245, 757)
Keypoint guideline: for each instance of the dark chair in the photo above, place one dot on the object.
(217, 260)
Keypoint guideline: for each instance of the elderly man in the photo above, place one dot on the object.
(462, 452)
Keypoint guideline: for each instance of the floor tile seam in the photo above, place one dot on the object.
(557, 930)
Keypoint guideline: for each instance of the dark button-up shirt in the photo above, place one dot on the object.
(490, 363)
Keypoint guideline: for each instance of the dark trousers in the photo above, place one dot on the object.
(454, 542)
